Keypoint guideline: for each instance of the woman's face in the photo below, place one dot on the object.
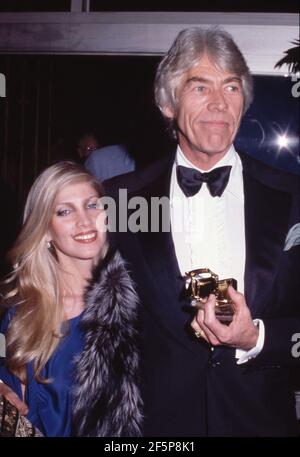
(77, 226)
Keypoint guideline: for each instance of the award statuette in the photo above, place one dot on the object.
(202, 282)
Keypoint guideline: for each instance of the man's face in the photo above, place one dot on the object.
(209, 111)
(86, 145)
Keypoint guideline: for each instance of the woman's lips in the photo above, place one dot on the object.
(86, 237)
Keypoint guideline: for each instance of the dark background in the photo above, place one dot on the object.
(288, 6)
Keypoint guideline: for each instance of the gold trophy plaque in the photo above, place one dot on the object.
(202, 282)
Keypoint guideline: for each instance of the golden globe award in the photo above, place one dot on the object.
(202, 282)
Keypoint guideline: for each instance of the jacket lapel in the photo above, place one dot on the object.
(163, 270)
(266, 221)
(267, 213)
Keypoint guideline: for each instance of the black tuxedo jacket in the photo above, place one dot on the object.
(188, 388)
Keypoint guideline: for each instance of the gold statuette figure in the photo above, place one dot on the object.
(202, 282)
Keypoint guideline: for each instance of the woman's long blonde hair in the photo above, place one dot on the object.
(34, 284)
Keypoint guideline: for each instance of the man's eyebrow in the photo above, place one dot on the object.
(233, 79)
(197, 79)
(200, 79)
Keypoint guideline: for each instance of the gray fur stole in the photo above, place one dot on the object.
(107, 399)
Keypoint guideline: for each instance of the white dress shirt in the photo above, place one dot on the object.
(209, 232)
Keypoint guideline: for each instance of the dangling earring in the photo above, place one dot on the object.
(49, 244)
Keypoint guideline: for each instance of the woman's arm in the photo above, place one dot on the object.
(13, 398)
(5, 390)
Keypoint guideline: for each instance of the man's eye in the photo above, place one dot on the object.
(200, 88)
(62, 212)
(233, 88)
(92, 205)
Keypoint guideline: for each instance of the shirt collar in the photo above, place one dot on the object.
(235, 184)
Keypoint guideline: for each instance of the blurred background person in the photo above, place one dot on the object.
(110, 161)
(87, 143)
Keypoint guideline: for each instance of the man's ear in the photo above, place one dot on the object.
(168, 112)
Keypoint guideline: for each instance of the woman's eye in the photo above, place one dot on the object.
(63, 212)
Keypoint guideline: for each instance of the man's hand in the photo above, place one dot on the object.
(241, 333)
(13, 398)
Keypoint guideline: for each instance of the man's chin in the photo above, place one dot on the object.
(215, 150)
(215, 146)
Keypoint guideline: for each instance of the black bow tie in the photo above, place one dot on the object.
(190, 180)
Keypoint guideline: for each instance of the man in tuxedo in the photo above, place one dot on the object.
(201, 377)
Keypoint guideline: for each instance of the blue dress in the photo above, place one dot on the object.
(50, 405)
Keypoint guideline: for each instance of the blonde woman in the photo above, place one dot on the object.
(72, 358)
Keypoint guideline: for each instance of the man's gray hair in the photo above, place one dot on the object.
(186, 51)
